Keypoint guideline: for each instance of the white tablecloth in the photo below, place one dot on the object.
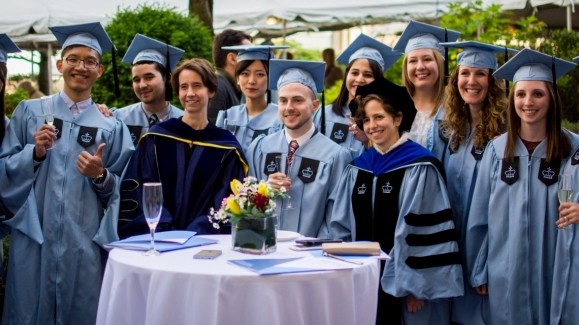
(174, 288)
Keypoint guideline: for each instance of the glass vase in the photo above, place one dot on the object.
(254, 235)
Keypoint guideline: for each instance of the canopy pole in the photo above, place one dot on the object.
(49, 67)
(569, 18)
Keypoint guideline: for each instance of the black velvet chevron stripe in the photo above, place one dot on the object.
(444, 236)
(424, 262)
(427, 220)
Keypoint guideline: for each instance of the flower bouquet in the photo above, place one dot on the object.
(250, 210)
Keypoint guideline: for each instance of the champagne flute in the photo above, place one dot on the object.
(49, 118)
(152, 207)
(565, 189)
(230, 125)
(287, 202)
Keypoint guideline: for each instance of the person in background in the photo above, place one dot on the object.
(333, 73)
(228, 93)
(6, 46)
(395, 194)
(60, 183)
(474, 113)
(32, 91)
(298, 158)
(257, 115)
(423, 75)
(511, 230)
(366, 59)
(152, 62)
(193, 159)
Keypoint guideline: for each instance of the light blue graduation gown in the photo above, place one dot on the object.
(461, 172)
(59, 218)
(315, 172)
(337, 129)
(565, 292)
(248, 128)
(136, 119)
(511, 232)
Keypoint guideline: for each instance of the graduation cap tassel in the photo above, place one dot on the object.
(115, 73)
(506, 80)
(445, 57)
(168, 88)
(323, 126)
(554, 75)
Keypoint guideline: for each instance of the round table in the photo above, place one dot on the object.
(174, 288)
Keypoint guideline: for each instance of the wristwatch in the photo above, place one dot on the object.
(100, 177)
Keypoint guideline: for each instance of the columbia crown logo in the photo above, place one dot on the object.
(387, 188)
(362, 189)
(271, 167)
(86, 138)
(307, 173)
(548, 173)
(510, 173)
(339, 135)
(479, 151)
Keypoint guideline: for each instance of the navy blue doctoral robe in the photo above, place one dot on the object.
(195, 168)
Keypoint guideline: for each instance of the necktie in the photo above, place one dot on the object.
(153, 119)
(293, 146)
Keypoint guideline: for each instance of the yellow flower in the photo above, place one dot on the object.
(233, 206)
(262, 189)
(236, 186)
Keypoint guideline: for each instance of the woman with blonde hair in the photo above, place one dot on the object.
(423, 75)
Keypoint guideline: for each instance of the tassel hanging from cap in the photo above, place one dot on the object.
(115, 73)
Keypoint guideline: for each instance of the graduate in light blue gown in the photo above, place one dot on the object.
(475, 113)
(395, 194)
(60, 183)
(566, 278)
(366, 59)
(511, 230)
(257, 115)
(6, 46)
(313, 172)
(423, 74)
(152, 63)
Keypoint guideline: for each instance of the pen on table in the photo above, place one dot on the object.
(342, 259)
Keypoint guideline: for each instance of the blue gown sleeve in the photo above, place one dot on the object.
(342, 224)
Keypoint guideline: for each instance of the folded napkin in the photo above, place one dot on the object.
(352, 248)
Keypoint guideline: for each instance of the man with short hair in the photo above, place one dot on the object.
(228, 93)
(298, 158)
(152, 63)
(60, 183)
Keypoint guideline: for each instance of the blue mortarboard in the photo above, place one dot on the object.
(90, 35)
(477, 54)
(144, 48)
(254, 52)
(307, 73)
(419, 35)
(365, 47)
(533, 65)
(7, 46)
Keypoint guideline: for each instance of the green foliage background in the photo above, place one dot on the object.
(159, 22)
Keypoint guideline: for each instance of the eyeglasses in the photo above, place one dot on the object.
(88, 63)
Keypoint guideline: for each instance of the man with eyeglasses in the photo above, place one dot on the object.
(60, 167)
(152, 63)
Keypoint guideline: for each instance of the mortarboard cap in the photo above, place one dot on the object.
(307, 73)
(90, 35)
(419, 35)
(365, 47)
(144, 48)
(533, 65)
(254, 52)
(7, 46)
(477, 54)
(395, 95)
